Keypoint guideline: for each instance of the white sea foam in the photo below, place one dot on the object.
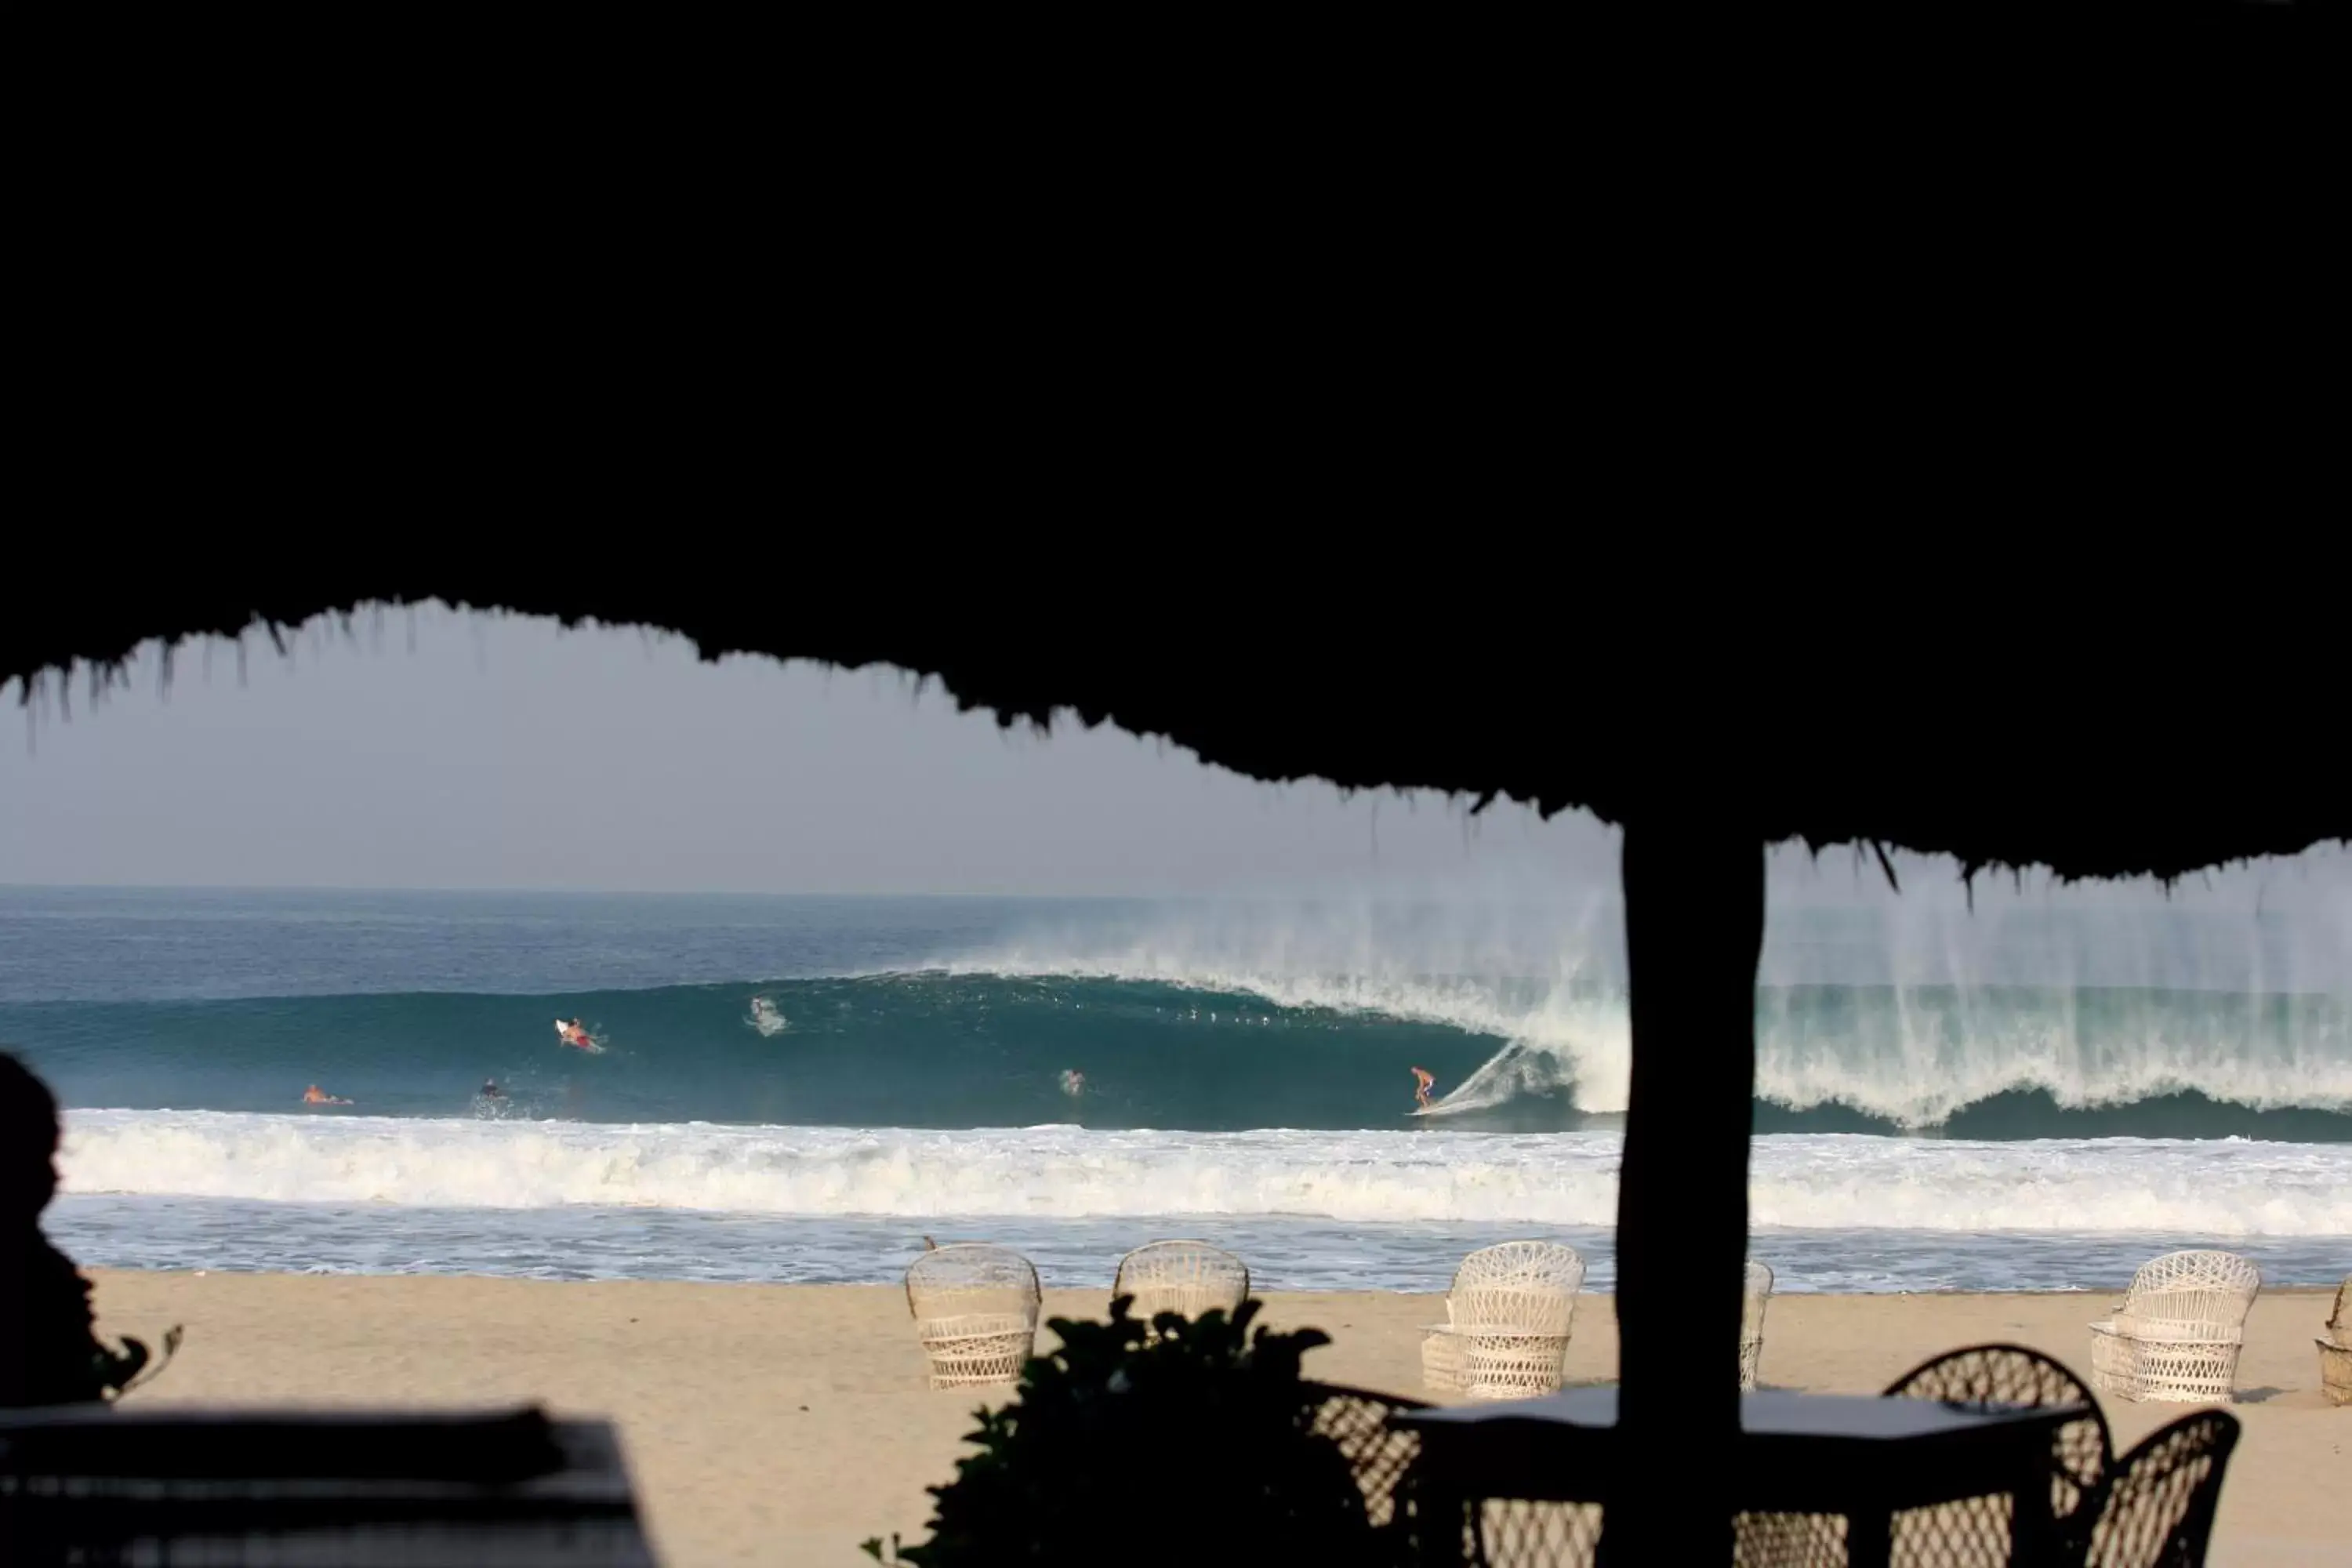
(1916, 1073)
(2222, 1189)
(1556, 1037)
(1549, 983)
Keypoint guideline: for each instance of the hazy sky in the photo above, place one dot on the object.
(494, 752)
(436, 750)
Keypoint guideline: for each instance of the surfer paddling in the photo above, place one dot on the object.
(1422, 1081)
(314, 1095)
(574, 1033)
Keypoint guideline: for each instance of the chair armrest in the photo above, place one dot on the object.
(2175, 1331)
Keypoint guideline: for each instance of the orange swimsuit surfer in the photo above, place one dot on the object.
(1421, 1080)
(314, 1095)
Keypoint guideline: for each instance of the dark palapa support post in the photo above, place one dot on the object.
(1693, 931)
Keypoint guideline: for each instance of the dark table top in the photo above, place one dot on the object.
(319, 1487)
(1828, 1453)
(1774, 1412)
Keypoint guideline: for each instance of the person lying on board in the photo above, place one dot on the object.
(314, 1095)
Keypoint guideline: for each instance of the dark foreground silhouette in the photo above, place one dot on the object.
(49, 1354)
(1224, 1453)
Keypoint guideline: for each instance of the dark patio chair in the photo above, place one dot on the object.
(1974, 1530)
(1519, 1532)
(2158, 1511)
(1358, 1421)
(1977, 1529)
(1788, 1541)
(1495, 1532)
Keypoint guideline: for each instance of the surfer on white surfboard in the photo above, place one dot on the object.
(1423, 1079)
(574, 1033)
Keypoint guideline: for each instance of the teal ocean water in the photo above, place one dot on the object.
(2064, 1096)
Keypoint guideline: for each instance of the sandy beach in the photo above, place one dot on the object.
(784, 1423)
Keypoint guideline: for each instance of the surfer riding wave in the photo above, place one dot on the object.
(1422, 1080)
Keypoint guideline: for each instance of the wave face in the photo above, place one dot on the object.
(2031, 1012)
(2216, 1187)
(908, 1050)
(947, 1049)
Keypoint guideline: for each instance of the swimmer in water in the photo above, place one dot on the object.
(1422, 1081)
(490, 1090)
(314, 1095)
(1074, 1083)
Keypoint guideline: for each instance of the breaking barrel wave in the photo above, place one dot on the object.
(948, 1049)
(937, 1058)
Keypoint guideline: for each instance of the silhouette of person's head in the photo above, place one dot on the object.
(28, 1143)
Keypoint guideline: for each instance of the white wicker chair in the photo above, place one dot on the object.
(1755, 1295)
(2335, 1349)
(1187, 1278)
(2176, 1333)
(975, 1310)
(1507, 1321)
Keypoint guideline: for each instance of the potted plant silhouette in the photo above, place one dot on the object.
(1172, 1441)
